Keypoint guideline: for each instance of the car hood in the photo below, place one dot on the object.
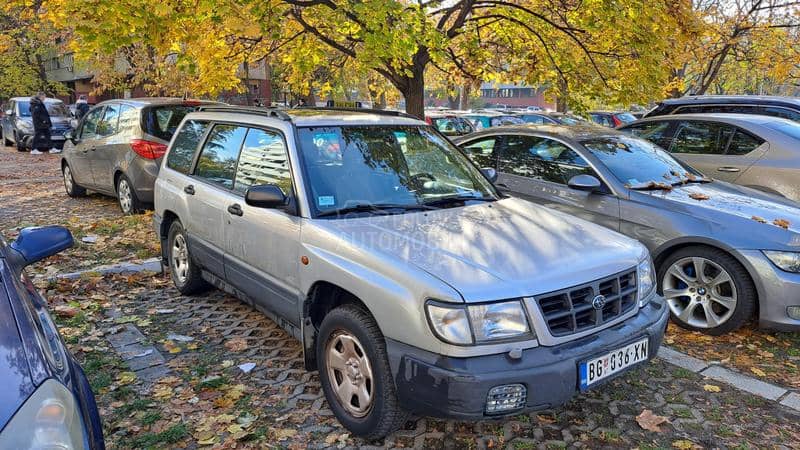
(14, 370)
(490, 251)
(720, 202)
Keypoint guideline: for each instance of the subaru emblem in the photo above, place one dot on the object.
(599, 302)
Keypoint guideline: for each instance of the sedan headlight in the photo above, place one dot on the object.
(646, 277)
(479, 324)
(788, 261)
(48, 419)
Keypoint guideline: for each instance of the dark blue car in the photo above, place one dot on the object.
(45, 398)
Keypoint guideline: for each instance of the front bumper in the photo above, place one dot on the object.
(777, 291)
(434, 385)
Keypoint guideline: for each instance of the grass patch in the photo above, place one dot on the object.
(171, 435)
(213, 383)
(680, 372)
(151, 418)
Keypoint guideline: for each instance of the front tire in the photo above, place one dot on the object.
(73, 189)
(355, 374)
(186, 275)
(707, 290)
(126, 196)
(18, 143)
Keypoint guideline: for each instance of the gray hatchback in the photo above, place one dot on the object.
(723, 253)
(117, 148)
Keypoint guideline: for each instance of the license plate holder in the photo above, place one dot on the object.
(609, 364)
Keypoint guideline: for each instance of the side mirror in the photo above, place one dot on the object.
(9, 112)
(490, 173)
(37, 243)
(265, 196)
(68, 136)
(588, 183)
(73, 123)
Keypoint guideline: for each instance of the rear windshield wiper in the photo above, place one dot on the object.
(458, 199)
(372, 207)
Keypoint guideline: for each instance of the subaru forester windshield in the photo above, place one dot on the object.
(369, 169)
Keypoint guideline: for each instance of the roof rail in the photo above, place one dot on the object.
(384, 112)
(261, 111)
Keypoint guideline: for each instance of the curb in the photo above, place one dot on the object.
(148, 265)
(768, 391)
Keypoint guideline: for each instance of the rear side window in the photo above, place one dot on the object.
(701, 138)
(482, 151)
(263, 161)
(217, 162)
(655, 132)
(182, 152)
(128, 120)
(163, 121)
(742, 143)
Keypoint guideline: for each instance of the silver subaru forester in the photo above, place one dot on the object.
(412, 283)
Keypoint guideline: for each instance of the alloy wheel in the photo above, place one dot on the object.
(699, 292)
(68, 183)
(180, 259)
(350, 373)
(125, 196)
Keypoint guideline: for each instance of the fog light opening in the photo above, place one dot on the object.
(794, 312)
(505, 398)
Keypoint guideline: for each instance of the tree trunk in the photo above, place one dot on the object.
(563, 94)
(463, 101)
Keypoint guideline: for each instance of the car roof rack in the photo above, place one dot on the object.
(384, 112)
(261, 111)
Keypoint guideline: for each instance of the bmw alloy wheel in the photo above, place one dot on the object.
(699, 292)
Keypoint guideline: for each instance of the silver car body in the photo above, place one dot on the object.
(773, 166)
(97, 160)
(506, 249)
(666, 221)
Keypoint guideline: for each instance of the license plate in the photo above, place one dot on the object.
(57, 138)
(612, 363)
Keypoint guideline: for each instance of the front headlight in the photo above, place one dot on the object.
(646, 277)
(48, 419)
(788, 261)
(484, 323)
(25, 126)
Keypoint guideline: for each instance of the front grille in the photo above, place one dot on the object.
(571, 310)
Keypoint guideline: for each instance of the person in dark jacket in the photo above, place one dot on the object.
(81, 106)
(41, 126)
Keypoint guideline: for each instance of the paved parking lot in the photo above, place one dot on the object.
(184, 372)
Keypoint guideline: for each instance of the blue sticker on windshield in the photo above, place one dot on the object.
(326, 200)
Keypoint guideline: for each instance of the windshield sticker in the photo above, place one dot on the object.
(328, 147)
(326, 200)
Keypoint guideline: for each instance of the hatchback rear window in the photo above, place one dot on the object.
(163, 121)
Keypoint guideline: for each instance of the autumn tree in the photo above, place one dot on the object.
(734, 41)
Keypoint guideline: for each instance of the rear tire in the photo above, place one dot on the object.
(721, 299)
(18, 143)
(72, 188)
(186, 275)
(126, 196)
(349, 334)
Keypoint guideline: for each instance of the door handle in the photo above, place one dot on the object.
(189, 189)
(728, 169)
(235, 209)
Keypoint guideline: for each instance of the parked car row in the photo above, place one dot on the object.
(454, 278)
(16, 124)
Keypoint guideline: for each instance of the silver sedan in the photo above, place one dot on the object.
(723, 253)
(761, 152)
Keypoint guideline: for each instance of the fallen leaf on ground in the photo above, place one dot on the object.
(758, 371)
(684, 444)
(66, 311)
(698, 196)
(126, 377)
(236, 344)
(711, 388)
(649, 421)
(284, 433)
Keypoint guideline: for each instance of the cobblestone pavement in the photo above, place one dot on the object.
(226, 376)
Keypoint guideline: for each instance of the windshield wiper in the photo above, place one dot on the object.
(458, 199)
(372, 207)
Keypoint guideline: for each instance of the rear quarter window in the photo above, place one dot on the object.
(162, 121)
(181, 154)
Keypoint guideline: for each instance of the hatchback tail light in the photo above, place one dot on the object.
(148, 149)
(617, 122)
